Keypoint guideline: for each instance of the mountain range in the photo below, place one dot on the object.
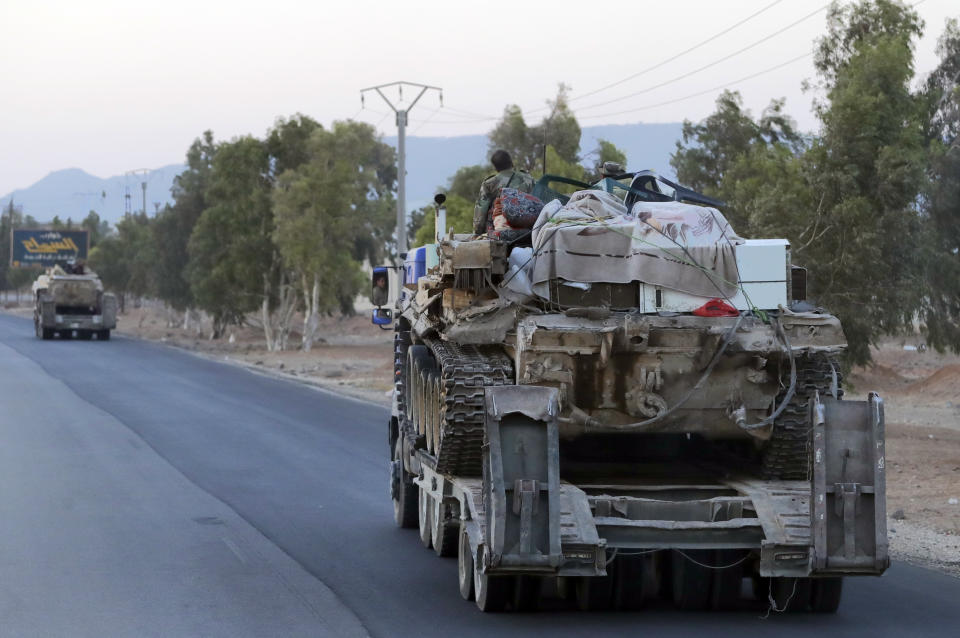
(72, 192)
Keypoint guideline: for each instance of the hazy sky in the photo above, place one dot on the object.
(115, 86)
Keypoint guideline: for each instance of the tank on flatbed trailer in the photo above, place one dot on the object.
(72, 303)
(627, 400)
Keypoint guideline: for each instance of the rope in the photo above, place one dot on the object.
(717, 567)
(773, 602)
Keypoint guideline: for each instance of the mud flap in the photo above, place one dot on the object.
(521, 480)
(109, 311)
(848, 498)
(48, 313)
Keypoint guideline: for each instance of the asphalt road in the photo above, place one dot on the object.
(146, 491)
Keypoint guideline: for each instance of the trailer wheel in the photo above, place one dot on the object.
(632, 581)
(595, 593)
(444, 534)
(464, 563)
(526, 593)
(825, 594)
(691, 582)
(725, 593)
(425, 517)
(403, 492)
(491, 592)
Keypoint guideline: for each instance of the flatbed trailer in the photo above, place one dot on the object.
(624, 533)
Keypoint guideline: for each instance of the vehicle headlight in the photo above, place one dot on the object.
(97, 319)
(59, 318)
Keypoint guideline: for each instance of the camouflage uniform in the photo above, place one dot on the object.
(490, 188)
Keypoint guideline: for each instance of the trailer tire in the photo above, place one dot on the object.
(825, 595)
(403, 492)
(595, 593)
(425, 517)
(526, 592)
(631, 587)
(492, 593)
(464, 563)
(725, 594)
(691, 582)
(444, 535)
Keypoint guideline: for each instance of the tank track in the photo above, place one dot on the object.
(465, 370)
(786, 455)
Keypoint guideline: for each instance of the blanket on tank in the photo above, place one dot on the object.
(594, 238)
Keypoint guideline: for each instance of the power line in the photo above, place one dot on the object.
(711, 64)
(678, 55)
(426, 121)
(699, 93)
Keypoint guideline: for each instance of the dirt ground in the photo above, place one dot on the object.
(921, 392)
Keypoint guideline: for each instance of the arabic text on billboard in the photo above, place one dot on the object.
(47, 247)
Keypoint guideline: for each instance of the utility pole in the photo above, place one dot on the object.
(401, 114)
(142, 172)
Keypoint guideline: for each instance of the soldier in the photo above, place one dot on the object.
(505, 177)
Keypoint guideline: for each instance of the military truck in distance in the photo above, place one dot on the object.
(625, 401)
(68, 304)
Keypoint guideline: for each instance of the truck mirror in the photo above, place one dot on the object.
(382, 316)
(381, 287)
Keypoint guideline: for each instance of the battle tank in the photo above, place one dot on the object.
(626, 399)
(72, 303)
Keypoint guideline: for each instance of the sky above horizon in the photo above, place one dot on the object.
(110, 87)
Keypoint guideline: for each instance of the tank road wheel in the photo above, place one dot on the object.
(491, 592)
(437, 410)
(465, 563)
(445, 532)
(425, 517)
(417, 356)
(403, 492)
(825, 594)
(725, 594)
(430, 401)
(691, 582)
(790, 594)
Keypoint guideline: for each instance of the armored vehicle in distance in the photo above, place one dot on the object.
(72, 304)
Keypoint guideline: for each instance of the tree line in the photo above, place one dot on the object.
(263, 227)
(871, 203)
